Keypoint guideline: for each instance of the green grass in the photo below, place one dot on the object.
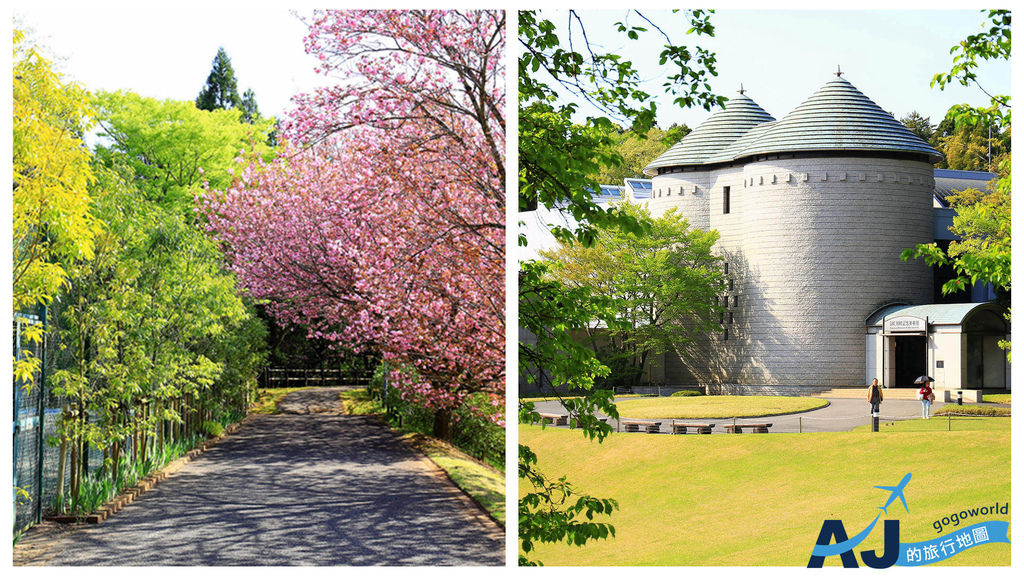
(483, 483)
(760, 499)
(716, 406)
(996, 398)
(266, 402)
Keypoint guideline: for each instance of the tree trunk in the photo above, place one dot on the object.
(443, 424)
(61, 465)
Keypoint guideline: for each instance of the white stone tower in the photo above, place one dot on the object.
(813, 212)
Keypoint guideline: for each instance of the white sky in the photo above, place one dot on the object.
(166, 49)
(783, 56)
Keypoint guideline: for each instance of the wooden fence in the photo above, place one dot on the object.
(294, 377)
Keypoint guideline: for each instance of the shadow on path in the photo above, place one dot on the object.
(317, 489)
(841, 415)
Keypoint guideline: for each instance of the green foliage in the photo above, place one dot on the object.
(991, 44)
(996, 398)
(969, 147)
(155, 341)
(221, 89)
(687, 393)
(52, 225)
(659, 289)
(559, 165)
(560, 161)
(637, 151)
(250, 111)
(473, 422)
(213, 429)
(550, 513)
(982, 220)
(973, 410)
(921, 126)
(173, 148)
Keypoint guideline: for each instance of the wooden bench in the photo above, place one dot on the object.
(555, 419)
(761, 428)
(649, 426)
(681, 427)
(576, 421)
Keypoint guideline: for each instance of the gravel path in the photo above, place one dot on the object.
(842, 414)
(310, 487)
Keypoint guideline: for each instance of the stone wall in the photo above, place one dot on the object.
(813, 248)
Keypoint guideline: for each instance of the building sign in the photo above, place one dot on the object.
(905, 324)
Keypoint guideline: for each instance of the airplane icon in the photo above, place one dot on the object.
(896, 490)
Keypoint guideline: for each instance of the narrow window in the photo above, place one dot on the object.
(725, 200)
(730, 284)
(730, 318)
(726, 268)
(725, 334)
(735, 301)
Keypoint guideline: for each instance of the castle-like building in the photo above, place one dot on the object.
(813, 212)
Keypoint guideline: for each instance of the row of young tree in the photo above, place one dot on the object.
(377, 225)
(149, 341)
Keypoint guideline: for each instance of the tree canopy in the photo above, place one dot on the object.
(983, 218)
(397, 245)
(660, 289)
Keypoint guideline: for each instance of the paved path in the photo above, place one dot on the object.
(306, 488)
(842, 414)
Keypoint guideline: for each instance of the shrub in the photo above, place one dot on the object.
(688, 393)
(974, 410)
(213, 429)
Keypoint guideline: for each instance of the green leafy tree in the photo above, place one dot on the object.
(250, 111)
(971, 148)
(559, 164)
(983, 219)
(174, 148)
(157, 344)
(921, 126)
(52, 226)
(221, 89)
(638, 151)
(659, 286)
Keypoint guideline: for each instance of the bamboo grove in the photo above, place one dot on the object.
(149, 341)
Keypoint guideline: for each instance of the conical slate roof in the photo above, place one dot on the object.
(713, 135)
(838, 117)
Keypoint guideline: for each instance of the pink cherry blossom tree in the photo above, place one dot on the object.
(381, 224)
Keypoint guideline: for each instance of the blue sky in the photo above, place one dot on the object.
(783, 56)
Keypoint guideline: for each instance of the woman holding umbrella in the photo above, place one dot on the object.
(925, 395)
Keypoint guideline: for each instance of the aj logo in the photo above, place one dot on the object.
(843, 547)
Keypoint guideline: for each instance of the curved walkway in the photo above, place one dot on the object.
(841, 415)
(311, 487)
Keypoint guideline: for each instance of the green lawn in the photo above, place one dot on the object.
(716, 406)
(996, 398)
(760, 499)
